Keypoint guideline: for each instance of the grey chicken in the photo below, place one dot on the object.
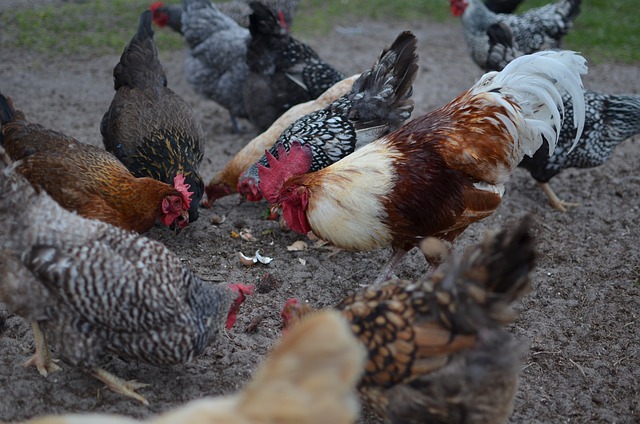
(495, 39)
(610, 119)
(378, 103)
(283, 71)
(148, 127)
(437, 349)
(95, 289)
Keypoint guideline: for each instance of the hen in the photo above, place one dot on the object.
(225, 181)
(437, 174)
(309, 378)
(496, 39)
(378, 103)
(96, 289)
(610, 119)
(437, 349)
(282, 70)
(89, 180)
(148, 126)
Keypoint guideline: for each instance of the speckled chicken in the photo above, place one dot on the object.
(89, 180)
(148, 126)
(437, 349)
(495, 39)
(378, 103)
(610, 119)
(95, 289)
(282, 70)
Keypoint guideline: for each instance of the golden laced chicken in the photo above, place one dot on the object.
(437, 349)
(437, 174)
(495, 39)
(283, 71)
(379, 102)
(89, 180)
(148, 127)
(92, 289)
(225, 181)
(309, 378)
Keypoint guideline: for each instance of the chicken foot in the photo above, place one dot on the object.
(387, 271)
(42, 359)
(118, 385)
(554, 200)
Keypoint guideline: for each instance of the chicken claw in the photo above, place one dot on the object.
(118, 385)
(554, 200)
(42, 359)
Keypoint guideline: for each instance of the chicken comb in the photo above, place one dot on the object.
(242, 291)
(155, 6)
(285, 166)
(183, 189)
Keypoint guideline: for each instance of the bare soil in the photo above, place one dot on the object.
(580, 323)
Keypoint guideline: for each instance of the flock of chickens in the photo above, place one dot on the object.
(339, 157)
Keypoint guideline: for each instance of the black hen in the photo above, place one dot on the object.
(377, 104)
(610, 119)
(148, 126)
(282, 70)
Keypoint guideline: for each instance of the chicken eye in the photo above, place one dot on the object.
(289, 190)
(177, 202)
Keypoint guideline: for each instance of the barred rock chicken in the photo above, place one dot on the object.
(309, 378)
(437, 174)
(496, 39)
(225, 181)
(215, 60)
(148, 126)
(89, 180)
(282, 70)
(378, 103)
(437, 349)
(96, 289)
(610, 119)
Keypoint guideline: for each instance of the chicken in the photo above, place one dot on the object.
(437, 174)
(502, 6)
(148, 127)
(437, 349)
(378, 103)
(93, 289)
(215, 62)
(610, 120)
(309, 378)
(496, 39)
(225, 181)
(282, 70)
(87, 179)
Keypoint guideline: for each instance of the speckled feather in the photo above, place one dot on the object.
(149, 127)
(95, 288)
(610, 120)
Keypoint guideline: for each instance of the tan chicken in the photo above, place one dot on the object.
(309, 378)
(225, 181)
(437, 349)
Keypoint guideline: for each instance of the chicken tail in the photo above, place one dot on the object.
(530, 89)
(383, 92)
(569, 9)
(7, 114)
(139, 65)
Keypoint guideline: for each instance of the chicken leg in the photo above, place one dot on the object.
(118, 385)
(42, 358)
(554, 200)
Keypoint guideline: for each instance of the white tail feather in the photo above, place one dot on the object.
(536, 82)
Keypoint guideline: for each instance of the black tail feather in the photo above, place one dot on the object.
(7, 113)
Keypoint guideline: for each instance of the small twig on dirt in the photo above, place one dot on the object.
(545, 352)
(620, 360)
(579, 367)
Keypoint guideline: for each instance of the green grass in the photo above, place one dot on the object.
(605, 30)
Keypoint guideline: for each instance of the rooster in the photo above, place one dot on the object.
(610, 119)
(437, 174)
(496, 39)
(93, 289)
(378, 103)
(437, 348)
(225, 181)
(89, 180)
(148, 126)
(282, 70)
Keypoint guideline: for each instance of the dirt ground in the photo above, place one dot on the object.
(580, 323)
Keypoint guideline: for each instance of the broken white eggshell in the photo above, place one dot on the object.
(298, 246)
(250, 260)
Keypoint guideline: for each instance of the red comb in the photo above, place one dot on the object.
(155, 6)
(183, 189)
(242, 290)
(297, 162)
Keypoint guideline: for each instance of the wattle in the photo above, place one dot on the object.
(296, 218)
